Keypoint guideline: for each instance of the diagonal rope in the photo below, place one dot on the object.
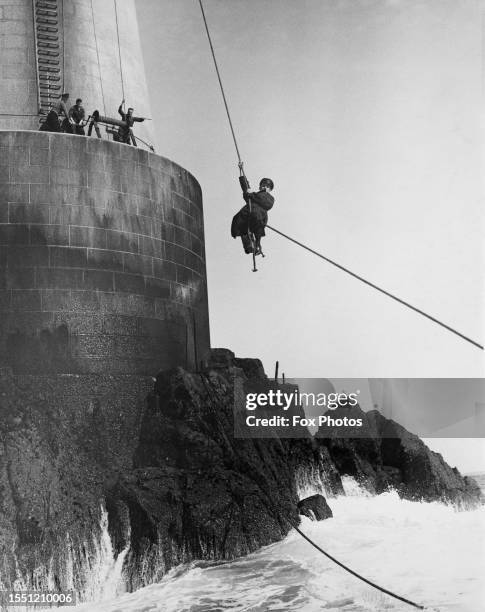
(372, 584)
(97, 55)
(363, 280)
(119, 50)
(220, 81)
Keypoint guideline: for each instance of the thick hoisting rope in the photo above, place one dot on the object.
(97, 55)
(362, 279)
(347, 569)
(220, 81)
(229, 119)
(119, 51)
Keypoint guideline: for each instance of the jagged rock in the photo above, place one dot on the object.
(253, 368)
(198, 492)
(389, 456)
(220, 358)
(315, 507)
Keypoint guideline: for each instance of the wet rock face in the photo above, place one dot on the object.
(315, 507)
(392, 457)
(61, 442)
(196, 491)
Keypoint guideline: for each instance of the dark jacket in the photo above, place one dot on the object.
(124, 131)
(52, 122)
(77, 113)
(129, 120)
(256, 220)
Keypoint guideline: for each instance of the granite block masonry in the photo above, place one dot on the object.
(102, 280)
(102, 265)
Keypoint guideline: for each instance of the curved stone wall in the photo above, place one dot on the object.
(18, 82)
(102, 264)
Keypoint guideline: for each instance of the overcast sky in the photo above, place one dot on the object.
(367, 116)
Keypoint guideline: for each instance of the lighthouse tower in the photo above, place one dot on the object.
(102, 263)
(102, 284)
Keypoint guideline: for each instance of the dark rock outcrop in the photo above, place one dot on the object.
(196, 491)
(315, 507)
(175, 480)
(385, 455)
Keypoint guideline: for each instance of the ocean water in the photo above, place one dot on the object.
(429, 553)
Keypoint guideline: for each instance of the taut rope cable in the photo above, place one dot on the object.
(219, 79)
(119, 50)
(63, 50)
(147, 144)
(363, 280)
(97, 55)
(404, 303)
(372, 584)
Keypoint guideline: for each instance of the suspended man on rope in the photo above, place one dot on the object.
(250, 221)
(241, 224)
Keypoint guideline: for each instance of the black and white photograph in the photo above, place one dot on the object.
(242, 297)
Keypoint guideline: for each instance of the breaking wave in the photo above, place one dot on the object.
(427, 552)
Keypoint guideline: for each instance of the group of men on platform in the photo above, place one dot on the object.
(73, 121)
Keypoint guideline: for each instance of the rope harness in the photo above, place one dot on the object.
(303, 246)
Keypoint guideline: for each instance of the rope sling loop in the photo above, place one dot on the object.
(403, 302)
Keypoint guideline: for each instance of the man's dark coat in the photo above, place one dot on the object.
(255, 222)
(124, 132)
